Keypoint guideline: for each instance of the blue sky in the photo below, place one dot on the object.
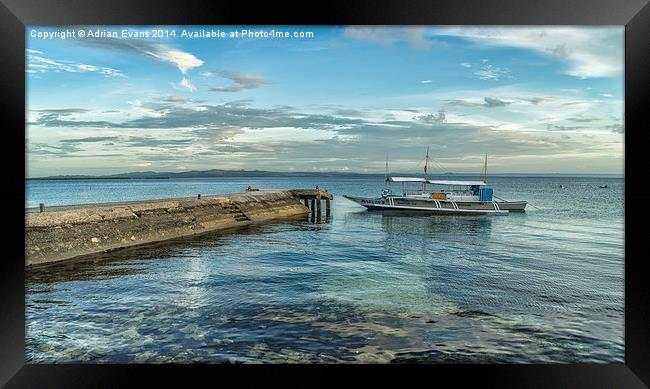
(536, 99)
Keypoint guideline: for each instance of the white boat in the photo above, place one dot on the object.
(442, 197)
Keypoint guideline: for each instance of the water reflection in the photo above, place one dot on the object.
(109, 264)
(121, 263)
(434, 225)
(317, 218)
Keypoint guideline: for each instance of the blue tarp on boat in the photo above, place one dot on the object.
(485, 194)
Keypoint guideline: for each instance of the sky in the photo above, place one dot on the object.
(345, 98)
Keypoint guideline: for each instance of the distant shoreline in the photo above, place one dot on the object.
(258, 174)
(56, 178)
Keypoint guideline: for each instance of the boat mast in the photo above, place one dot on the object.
(426, 163)
(485, 170)
(426, 166)
(386, 176)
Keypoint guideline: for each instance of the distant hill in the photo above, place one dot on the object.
(216, 173)
(213, 173)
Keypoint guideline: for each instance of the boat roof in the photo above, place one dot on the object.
(406, 179)
(437, 182)
(461, 183)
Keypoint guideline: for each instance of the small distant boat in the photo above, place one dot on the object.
(442, 197)
(603, 187)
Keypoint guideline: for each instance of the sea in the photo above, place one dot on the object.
(544, 286)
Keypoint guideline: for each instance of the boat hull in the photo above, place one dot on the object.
(513, 206)
(439, 207)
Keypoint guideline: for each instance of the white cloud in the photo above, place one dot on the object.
(40, 64)
(590, 51)
(184, 61)
(185, 83)
(466, 65)
(490, 72)
(282, 134)
(139, 109)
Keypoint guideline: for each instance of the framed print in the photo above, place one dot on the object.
(397, 184)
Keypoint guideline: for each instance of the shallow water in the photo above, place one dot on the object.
(543, 286)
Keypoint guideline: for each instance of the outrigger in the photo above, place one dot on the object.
(440, 196)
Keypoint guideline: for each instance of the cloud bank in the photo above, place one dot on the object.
(589, 52)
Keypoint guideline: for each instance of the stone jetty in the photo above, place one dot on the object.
(58, 233)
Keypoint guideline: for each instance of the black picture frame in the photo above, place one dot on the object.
(634, 15)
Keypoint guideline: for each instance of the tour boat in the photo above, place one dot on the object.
(439, 196)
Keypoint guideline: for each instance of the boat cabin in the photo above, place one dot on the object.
(422, 188)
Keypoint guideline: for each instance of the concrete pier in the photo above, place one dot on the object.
(58, 233)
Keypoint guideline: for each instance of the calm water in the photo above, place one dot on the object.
(544, 286)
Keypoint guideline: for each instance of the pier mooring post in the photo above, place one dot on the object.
(312, 198)
(318, 207)
(41, 207)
